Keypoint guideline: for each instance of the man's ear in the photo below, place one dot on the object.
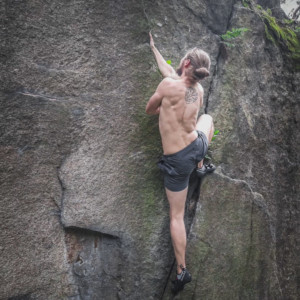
(187, 62)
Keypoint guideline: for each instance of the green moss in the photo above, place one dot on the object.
(269, 11)
(145, 181)
(232, 35)
(269, 35)
(288, 21)
(245, 3)
(283, 36)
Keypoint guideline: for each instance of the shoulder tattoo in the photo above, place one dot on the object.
(191, 95)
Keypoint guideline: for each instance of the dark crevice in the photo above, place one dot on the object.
(168, 278)
(88, 231)
(198, 17)
(216, 32)
(190, 212)
(62, 188)
(219, 55)
(21, 297)
(212, 81)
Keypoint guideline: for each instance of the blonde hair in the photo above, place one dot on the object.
(200, 64)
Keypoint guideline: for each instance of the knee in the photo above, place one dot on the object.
(207, 117)
(176, 224)
(206, 120)
(175, 218)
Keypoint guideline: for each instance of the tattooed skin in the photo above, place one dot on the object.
(191, 95)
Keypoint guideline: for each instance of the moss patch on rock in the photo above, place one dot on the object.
(283, 36)
(144, 178)
(281, 33)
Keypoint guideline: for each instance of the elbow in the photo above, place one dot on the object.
(147, 110)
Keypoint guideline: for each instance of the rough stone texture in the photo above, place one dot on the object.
(230, 258)
(83, 210)
(35, 136)
(214, 14)
(246, 231)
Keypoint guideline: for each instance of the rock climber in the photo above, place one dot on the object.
(177, 100)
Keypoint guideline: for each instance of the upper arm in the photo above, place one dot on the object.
(157, 97)
(154, 103)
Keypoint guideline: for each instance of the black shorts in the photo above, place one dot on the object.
(177, 167)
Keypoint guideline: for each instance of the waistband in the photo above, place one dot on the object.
(186, 149)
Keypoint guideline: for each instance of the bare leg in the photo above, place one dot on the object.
(177, 227)
(206, 125)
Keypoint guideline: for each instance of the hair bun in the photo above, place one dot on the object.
(201, 73)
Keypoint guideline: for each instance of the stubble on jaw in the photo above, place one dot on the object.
(179, 70)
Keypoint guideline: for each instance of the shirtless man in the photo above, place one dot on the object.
(185, 139)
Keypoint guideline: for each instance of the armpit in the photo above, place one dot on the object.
(174, 76)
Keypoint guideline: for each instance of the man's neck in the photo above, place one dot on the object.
(185, 79)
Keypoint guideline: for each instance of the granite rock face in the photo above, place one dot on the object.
(84, 214)
(247, 249)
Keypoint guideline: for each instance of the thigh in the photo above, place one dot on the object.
(202, 146)
(177, 202)
(204, 124)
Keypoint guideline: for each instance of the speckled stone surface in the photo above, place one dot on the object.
(83, 210)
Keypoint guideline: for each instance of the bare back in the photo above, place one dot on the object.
(178, 114)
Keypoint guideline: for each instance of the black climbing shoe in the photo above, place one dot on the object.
(205, 169)
(178, 283)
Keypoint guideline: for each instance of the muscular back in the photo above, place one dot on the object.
(178, 114)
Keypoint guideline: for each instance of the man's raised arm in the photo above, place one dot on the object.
(165, 69)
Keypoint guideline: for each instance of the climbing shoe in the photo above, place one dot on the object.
(181, 279)
(205, 169)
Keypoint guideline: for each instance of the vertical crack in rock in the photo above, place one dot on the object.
(197, 16)
(190, 211)
(212, 81)
(168, 277)
(196, 183)
(62, 188)
(215, 71)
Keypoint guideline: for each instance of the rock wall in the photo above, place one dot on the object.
(84, 214)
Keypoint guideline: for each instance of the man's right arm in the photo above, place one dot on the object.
(165, 69)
